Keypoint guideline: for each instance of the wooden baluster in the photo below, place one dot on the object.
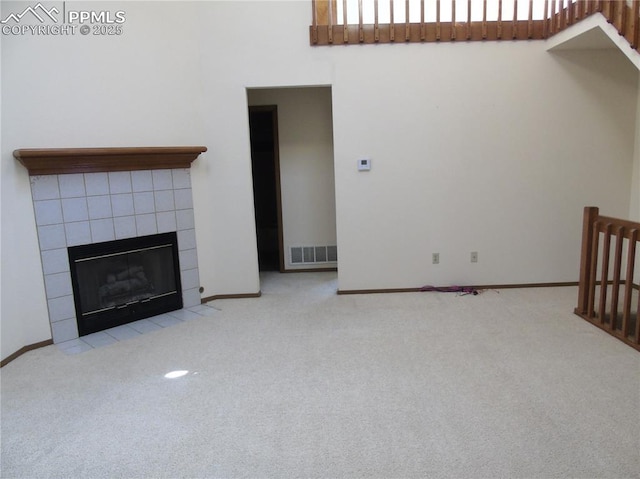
(484, 19)
(608, 10)
(407, 25)
(530, 20)
(376, 25)
(552, 19)
(499, 32)
(438, 20)
(345, 22)
(594, 269)
(453, 19)
(360, 27)
(562, 17)
(422, 27)
(314, 22)
(599, 6)
(321, 11)
(604, 277)
(514, 32)
(635, 22)
(628, 287)
(588, 219)
(468, 19)
(580, 9)
(623, 19)
(570, 13)
(392, 27)
(617, 267)
(545, 20)
(330, 21)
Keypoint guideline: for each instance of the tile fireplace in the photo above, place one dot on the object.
(128, 215)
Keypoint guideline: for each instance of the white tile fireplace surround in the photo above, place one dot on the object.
(74, 209)
(77, 209)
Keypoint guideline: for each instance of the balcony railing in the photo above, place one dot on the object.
(608, 294)
(340, 22)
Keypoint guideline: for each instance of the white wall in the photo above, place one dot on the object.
(494, 148)
(306, 166)
(634, 206)
(490, 147)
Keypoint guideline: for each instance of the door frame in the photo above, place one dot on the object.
(276, 161)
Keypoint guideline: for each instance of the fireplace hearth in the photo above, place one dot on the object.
(117, 282)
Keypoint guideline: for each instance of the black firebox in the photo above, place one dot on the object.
(117, 282)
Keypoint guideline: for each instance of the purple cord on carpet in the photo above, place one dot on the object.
(451, 289)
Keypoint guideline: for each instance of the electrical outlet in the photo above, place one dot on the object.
(474, 256)
(435, 258)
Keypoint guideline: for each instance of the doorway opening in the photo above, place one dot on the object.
(265, 164)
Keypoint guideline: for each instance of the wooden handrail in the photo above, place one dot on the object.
(615, 233)
(328, 29)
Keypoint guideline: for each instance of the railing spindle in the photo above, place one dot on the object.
(570, 13)
(499, 27)
(628, 288)
(468, 19)
(360, 28)
(623, 19)
(635, 22)
(392, 26)
(604, 277)
(407, 25)
(376, 25)
(563, 16)
(530, 20)
(580, 9)
(617, 266)
(514, 31)
(330, 21)
(545, 20)
(422, 27)
(453, 19)
(552, 18)
(345, 22)
(438, 20)
(314, 22)
(593, 272)
(484, 19)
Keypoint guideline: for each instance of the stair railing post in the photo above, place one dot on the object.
(590, 215)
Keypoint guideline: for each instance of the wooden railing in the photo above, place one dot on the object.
(389, 21)
(607, 294)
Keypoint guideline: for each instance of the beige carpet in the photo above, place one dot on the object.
(304, 383)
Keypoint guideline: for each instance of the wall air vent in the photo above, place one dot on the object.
(313, 254)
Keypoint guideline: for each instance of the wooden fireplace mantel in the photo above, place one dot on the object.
(55, 161)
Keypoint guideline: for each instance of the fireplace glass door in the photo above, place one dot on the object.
(122, 281)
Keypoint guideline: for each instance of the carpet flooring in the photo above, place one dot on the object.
(306, 383)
